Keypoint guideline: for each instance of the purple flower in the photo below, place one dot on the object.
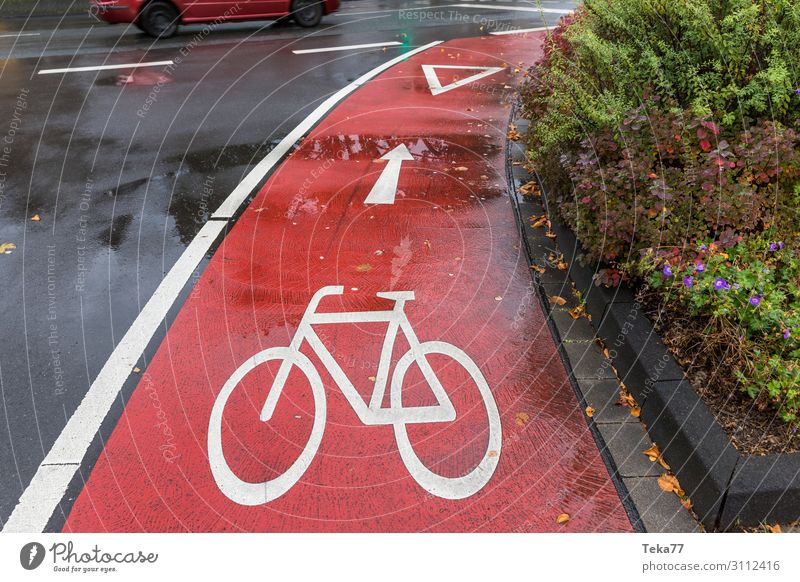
(667, 270)
(703, 248)
(786, 333)
(797, 91)
(755, 300)
(721, 284)
(773, 247)
(699, 267)
(688, 280)
(780, 245)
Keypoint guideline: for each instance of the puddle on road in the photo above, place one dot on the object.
(424, 149)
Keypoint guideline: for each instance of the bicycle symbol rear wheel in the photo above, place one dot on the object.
(244, 492)
(448, 487)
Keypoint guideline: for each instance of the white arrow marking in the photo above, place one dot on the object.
(436, 85)
(385, 188)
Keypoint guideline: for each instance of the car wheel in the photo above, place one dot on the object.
(307, 13)
(159, 19)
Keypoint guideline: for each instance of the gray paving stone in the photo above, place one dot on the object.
(626, 442)
(572, 329)
(603, 396)
(660, 511)
(587, 361)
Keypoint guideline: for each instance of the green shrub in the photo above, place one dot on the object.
(666, 131)
(728, 60)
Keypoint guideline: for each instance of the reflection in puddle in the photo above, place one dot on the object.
(424, 149)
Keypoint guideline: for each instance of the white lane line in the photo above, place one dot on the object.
(521, 30)
(515, 8)
(105, 67)
(18, 34)
(49, 485)
(331, 49)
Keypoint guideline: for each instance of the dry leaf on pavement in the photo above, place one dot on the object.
(557, 299)
(562, 518)
(669, 483)
(522, 418)
(655, 456)
(6, 248)
(539, 221)
(589, 411)
(576, 312)
(773, 528)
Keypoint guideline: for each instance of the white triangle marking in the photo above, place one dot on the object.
(436, 85)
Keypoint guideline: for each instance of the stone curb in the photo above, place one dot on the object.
(620, 437)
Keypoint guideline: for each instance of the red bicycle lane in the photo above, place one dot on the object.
(470, 424)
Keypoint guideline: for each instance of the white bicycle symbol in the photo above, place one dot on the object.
(246, 493)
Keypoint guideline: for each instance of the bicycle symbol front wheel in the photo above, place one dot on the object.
(244, 492)
(448, 487)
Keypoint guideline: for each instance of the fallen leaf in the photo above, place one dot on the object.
(498, 298)
(537, 268)
(652, 453)
(530, 189)
(773, 528)
(538, 221)
(550, 234)
(6, 248)
(576, 312)
(627, 400)
(655, 456)
(35, 218)
(428, 244)
(364, 267)
(461, 169)
(262, 209)
(589, 411)
(561, 264)
(492, 453)
(522, 418)
(562, 518)
(687, 503)
(636, 411)
(669, 483)
(557, 299)
(136, 370)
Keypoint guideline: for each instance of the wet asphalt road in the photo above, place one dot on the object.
(121, 168)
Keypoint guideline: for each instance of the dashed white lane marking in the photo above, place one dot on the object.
(18, 34)
(48, 486)
(104, 67)
(521, 30)
(331, 49)
(536, 9)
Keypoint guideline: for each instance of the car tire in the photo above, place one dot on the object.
(159, 19)
(307, 13)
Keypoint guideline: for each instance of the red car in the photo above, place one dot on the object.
(160, 18)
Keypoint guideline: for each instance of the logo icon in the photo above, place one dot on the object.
(31, 555)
